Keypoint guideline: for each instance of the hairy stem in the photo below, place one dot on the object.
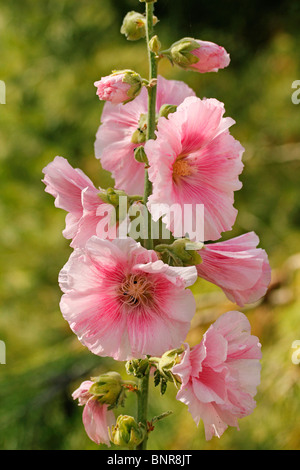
(151, 107)
(144, 381)
(143, 386)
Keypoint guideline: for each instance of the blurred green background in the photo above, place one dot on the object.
(51, 53)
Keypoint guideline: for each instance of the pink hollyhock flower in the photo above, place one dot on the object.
(118, 135)
(121, 301)
(119, 87)
(96, 417)
(219, 376)
(195, 161)
(238, 267)
(75, 193)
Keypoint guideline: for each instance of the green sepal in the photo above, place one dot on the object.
(182, 252)
(108, 389)
(137, 367)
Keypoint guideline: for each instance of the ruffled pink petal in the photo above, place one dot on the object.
(75, 193)
(65, 183)
(82, 392)
(238, 267)
(97, 419)
(171, 92)
(183, 277)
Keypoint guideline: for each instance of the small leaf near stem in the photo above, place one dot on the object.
(161, 416)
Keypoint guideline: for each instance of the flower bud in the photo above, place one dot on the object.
(137, 367)
(121, 86)
(167, 109)
(154, 44)
(108, 389)
(140, 155)
(127, 432)
(201, 56)
(182, 252)
(97, 417)
(139, 135)
(165, 363)
(134, 26)
(148, 1)
(111, 196)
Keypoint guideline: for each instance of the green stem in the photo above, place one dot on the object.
(152, 73)
(143, 384)
(151, 117)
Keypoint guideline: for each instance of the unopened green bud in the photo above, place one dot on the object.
(137, 367)
(148, 1)
(134, 26)
(154, 44)
(111, 196)
(127, 432)
(180, 52)
(140, 134)
(167, 109)
(182, 252)
(184, 249)
(108, 389)
(140, 155)
(165, 363)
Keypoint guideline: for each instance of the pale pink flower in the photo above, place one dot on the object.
(97, 419)
(195, 161)
(75, 193)
(121, 301)
(114, 146)
(211, 57)
(238, 267)
(220, 375)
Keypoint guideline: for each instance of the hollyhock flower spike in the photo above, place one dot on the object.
(75, 193)
(175, 164)
(123, 128)
(220, 375)
(96, 417)
(197, 55)
(121, 86)
(122, 301)
(195, 161)
(237, 266)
